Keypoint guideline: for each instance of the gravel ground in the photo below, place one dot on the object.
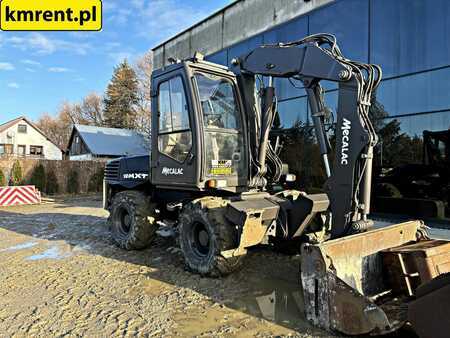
(61, 275)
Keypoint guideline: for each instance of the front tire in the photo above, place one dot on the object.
(204, 234)
(132, 220)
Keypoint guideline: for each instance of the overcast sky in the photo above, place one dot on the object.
(39, 70)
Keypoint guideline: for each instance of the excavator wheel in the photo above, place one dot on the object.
(132, 220)
(204, 234)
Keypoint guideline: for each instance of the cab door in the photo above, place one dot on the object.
(174, 160)
(225, 153)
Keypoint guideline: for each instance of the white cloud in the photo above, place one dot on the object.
(30, 70)
(13, 85)
(109, 6)
(6, 66)
(164, 18)
(156, 19)
(112, 45)
(59, 70)
(30, 62)
(41, 44)
(138, 4)
(121, 16)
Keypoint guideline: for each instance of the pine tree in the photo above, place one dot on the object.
(16, 174)
(121, 98)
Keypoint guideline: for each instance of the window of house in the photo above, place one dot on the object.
(36, 150)
(174, 138)
(22, 128)
(21, 150)
(6, 149)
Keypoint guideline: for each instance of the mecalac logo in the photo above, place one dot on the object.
(135, 176)
(172, 171)
(346, 128)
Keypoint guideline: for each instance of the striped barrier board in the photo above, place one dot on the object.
(20, 195)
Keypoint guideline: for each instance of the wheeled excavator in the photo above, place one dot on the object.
(215, 180)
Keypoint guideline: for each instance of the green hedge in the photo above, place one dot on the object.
(16, 174)
(73, 182)
(2, 179)
(95, 183)
(52, 186)
(38, 178)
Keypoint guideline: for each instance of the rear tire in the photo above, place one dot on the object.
(132, 220)
(204, 233)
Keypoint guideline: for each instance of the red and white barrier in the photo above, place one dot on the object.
(21, 195)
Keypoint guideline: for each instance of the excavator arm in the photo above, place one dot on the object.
(312, 60)
(345, 280)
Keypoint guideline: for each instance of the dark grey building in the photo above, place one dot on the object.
(409, 39)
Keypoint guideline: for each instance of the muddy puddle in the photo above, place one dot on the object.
(275, 300)
(276, 305)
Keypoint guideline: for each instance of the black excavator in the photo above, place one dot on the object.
(213, 179)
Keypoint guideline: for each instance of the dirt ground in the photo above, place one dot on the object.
(61, 275)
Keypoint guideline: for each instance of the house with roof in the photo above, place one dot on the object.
(91, 142)
(22, 138)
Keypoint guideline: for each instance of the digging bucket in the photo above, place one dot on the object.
(344, 284)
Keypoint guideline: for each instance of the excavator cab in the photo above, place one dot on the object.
(199, 131)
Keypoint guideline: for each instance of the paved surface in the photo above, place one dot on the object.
(61, 275)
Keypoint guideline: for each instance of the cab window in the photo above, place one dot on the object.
(218, 102)
(224, 146)
(174, 136)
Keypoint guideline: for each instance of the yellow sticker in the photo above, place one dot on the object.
(221, 167)
(221, 171)
(51, 15)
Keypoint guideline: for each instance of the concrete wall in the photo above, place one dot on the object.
(233, 24)
(31, 138)
(85, 169)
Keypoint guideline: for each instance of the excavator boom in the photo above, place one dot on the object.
(347, 281)
(309, 60)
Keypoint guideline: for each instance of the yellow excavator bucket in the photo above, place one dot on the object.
(345, 283)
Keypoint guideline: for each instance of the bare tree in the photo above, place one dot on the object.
(57, 128)
(143, 69)
(89, 111)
